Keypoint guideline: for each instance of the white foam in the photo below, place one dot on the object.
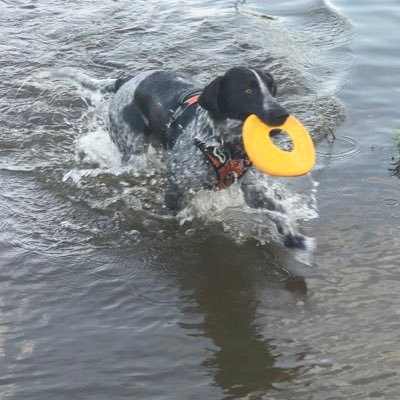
(98, 147)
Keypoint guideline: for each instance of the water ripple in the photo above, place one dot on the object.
(343, 147)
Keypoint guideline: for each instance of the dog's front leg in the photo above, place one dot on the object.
(255, 196)
(173, 196)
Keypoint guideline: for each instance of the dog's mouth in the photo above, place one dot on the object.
(275, 117)
(274, 120)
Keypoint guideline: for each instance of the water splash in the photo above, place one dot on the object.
(228, 209)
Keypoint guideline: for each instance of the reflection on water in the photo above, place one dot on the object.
(243, 360)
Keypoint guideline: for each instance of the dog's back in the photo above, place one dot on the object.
(142, 108)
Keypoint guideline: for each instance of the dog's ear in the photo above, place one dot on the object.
(209, 97)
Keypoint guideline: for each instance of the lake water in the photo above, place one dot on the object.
(105, 296)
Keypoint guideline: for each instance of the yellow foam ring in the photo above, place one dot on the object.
(271, 159)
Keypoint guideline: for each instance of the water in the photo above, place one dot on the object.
(104, 295)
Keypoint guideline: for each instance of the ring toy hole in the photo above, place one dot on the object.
(281, 139)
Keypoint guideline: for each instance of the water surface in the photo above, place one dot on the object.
(102, 295)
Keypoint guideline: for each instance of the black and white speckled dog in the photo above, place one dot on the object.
(194, 126)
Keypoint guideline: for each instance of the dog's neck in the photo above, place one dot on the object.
(210, 129)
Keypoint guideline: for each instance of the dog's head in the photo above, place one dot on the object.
(241, 92)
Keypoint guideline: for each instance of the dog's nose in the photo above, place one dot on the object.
(276, 116)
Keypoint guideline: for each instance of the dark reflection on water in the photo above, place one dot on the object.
(244, 360)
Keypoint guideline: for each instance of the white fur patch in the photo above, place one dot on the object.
(268, 98)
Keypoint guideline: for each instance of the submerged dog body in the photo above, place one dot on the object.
(142, 112)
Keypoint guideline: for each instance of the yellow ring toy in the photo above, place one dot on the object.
(271, 159)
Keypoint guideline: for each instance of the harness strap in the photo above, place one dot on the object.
(186, 100)
(227, 169)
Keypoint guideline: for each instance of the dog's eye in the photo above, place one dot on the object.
(249, 91)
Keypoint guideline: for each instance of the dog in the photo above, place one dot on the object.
(191, 123)
(203, 148)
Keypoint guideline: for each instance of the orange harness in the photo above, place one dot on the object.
(227, 169)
